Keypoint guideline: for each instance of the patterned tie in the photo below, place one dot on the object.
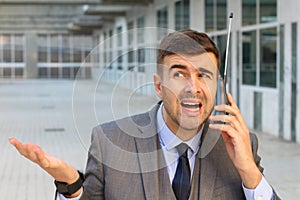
(181, 182)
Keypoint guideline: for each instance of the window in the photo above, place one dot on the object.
(130, 51)
(140, 31)
(7, 46)
(66, 50)
(12, 48)
(77, 49)
(182, 14)
(42, 48)
(162, 22)
(249, 12)
(19, 51)
(87, 44)
(54, 48)
(215, 15)
(268, 57)
(267, 10)
(294, 83)
(119, 36)
(264, 72)
(110, 54)
(130, 27)
(221, 44)
(249, 57)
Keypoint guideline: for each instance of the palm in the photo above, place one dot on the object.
(56, 167)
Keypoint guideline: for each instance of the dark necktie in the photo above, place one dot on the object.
(181, 182)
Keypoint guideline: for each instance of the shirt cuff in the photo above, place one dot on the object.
(62, 197)
(263, 191)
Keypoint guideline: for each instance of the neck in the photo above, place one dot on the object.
(184, 134)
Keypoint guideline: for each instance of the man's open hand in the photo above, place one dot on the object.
(56, 167)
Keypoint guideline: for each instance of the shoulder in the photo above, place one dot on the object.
(130, 124)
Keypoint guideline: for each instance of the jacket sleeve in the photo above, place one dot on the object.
(257, 159)
(93, 186)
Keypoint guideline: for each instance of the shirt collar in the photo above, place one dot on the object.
(169, 140)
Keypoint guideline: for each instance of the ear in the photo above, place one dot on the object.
(158, 85)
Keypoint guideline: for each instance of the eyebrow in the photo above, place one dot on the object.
(200, 69)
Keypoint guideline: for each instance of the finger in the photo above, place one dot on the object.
(233, 110)
(224, 108)
(18, 145)
(231, 101)
(13, 141)
(224, 128)
(230, 119)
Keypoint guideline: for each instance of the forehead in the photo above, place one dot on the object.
(204, 60)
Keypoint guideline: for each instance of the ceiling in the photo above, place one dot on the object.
(76, 16)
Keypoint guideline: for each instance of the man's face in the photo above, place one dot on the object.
(187, 86)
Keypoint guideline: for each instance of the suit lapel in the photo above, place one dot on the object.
(154, 174)
(205, 164)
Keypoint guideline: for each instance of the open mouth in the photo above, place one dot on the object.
(192, 106)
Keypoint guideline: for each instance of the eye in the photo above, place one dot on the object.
(178, 75)
(205, 75)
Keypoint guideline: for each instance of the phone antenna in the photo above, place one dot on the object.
(227, 48)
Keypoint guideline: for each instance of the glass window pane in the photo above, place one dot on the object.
(182, 14)
(268, 57)
(119, 36)
(110, 39)
(140, 33)
(162, 22)
(7, 48)
(77, 49)
(209, 13)
(130, 55)
(87, 45)
(221, 14)
(19, 48)
(221, 44)
(19, 72)
(268, 11)
(178, 15)
(249, 57)
(130, 27)
(54, 48)
(141, 55)
(249, 12)
(66, 50)
(186, 14)
(42, 48)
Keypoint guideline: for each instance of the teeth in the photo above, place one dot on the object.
(191, 105)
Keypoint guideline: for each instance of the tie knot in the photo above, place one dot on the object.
(182, 149)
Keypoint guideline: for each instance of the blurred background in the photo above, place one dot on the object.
(60, 58)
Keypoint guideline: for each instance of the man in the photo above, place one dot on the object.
(138, 157)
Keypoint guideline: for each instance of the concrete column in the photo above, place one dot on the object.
(31, 54)
(287, 82)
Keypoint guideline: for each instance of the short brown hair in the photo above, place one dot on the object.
(186, 42)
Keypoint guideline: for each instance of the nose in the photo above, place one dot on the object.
(193, 85)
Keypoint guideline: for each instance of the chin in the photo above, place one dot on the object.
(191, 126)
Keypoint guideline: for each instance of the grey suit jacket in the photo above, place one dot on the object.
(125, 161)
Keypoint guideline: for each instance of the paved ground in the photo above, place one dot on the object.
(59, 115)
